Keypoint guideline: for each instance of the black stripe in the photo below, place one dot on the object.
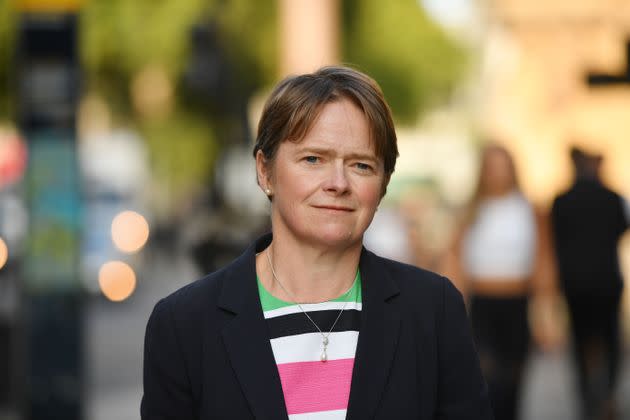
(298, 323)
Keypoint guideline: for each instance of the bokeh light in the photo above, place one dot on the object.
(130, 231)
(4, 253)
(117, 280)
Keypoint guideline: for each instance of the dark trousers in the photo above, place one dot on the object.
(596, 344)
(502, 338)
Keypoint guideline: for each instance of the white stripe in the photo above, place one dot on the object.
(322, 415)
(308, 347)
(311, 307)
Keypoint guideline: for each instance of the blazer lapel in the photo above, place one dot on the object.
(246, 341)
(378, 337)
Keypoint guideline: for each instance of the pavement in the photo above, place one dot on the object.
(114, 343)
(114, 336)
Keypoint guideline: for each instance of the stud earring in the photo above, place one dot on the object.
(267, 191)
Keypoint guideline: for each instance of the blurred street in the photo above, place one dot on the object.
(114, 334)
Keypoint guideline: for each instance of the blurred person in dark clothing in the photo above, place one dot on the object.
(588, 221)
(496, 261)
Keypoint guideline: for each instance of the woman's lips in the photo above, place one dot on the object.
(335, 208)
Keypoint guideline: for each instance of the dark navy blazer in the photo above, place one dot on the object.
(207, 354)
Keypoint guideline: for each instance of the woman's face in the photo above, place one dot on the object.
(326, 187)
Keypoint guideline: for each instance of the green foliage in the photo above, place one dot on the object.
(250, 36)
(120, 37)
(182, 151)
(7, 37)
(415, 63)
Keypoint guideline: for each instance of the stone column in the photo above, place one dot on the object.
(309, 34)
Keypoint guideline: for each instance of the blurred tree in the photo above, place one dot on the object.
(414, 61)
(182, 148)
(123, 39)
(7, 37)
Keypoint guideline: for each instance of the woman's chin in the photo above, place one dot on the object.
(335, 237)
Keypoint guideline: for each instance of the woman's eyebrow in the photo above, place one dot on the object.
(332, 151)
(315, 150)
(320, 151)
(362, 156)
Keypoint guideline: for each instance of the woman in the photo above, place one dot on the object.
(499, 250)
(307, 323)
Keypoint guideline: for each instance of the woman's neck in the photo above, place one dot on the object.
(308, 274)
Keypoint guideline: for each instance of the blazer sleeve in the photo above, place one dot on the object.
(462, 391)
(167, 390)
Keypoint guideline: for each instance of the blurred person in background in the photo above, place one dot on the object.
(497, 255)
(588, 221)
(388, 235)
(307, 323)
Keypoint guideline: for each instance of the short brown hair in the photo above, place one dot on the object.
(296, 102)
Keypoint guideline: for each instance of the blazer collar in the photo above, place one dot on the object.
(378, 337)
(249, 350)
(246, 340)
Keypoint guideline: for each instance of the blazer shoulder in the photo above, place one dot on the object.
(194, 298)
(413, 279)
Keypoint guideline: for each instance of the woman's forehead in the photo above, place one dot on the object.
(340, 124)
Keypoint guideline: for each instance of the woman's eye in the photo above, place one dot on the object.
(311, 159)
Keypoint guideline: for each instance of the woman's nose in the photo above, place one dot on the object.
(337, 181)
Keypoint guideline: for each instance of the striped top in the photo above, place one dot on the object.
(313, 389)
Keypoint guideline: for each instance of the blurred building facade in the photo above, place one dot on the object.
(309, 34)
(537, 59)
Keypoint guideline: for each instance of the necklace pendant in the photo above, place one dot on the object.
(324, 356)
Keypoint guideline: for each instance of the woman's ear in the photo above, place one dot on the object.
(262, 172)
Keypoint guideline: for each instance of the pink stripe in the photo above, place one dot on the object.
(316, 386)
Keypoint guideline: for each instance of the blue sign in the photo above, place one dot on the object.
(53, 194)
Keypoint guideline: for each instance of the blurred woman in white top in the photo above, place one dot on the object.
(498, 251)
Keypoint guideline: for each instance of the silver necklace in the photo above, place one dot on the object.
(324, 355)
